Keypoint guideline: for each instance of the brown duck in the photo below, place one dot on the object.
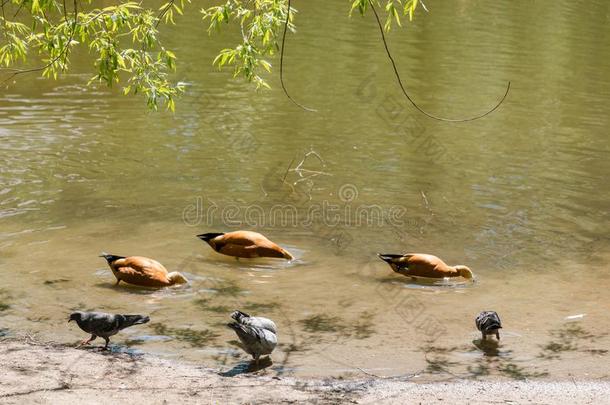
(244, 244)
(142, 271)
(423, 265)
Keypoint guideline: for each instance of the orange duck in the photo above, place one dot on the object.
(142, 271)
(423, 265)
(244, 244)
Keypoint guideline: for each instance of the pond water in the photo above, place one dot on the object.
(521, 196)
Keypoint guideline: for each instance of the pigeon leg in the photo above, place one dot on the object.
(107, 341)
(117, 282)
(86, 341)
(498, 335)
(483, 334)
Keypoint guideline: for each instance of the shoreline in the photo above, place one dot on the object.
(55, 373)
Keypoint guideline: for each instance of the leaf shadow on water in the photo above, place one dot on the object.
(260, 306)
(211, 304)
(223, 288)
(493, 359)
(206, 305)
(196, 338)
(4, 298)
(322, 328)
(571, 337)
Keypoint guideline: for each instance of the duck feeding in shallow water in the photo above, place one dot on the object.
(424, 265)
(488, 322)
(142, 271)
(245, 244)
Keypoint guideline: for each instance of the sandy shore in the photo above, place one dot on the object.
(35, 372)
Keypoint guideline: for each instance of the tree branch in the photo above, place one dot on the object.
(63, 52)
(385, 44)
(282, 64)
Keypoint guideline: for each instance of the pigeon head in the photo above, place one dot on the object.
(75, 316)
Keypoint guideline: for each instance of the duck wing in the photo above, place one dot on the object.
(141, 271)
(425, 265)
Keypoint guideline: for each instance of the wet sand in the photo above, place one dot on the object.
(37, 372)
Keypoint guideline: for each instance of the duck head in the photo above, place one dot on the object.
(177, 278)
(464, 272)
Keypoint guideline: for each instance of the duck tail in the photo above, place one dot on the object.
(177, 278)
(239, 316)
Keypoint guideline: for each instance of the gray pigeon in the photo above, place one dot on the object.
(488, 322)
(104, 325)
(258, 335)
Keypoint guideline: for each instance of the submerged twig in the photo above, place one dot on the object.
(306, 174)
(404, 91)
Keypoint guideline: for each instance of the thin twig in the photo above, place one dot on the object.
(282, 63)
(287, 169)
(19, 9)
(385, 44)
(306, 174)
(423, 5)
(163, 12)
(425, 200)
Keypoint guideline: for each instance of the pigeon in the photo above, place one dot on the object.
(104, 325)
(258, 335)
(488, 322)
(142, 271)
(424, 265)
(244, 244)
